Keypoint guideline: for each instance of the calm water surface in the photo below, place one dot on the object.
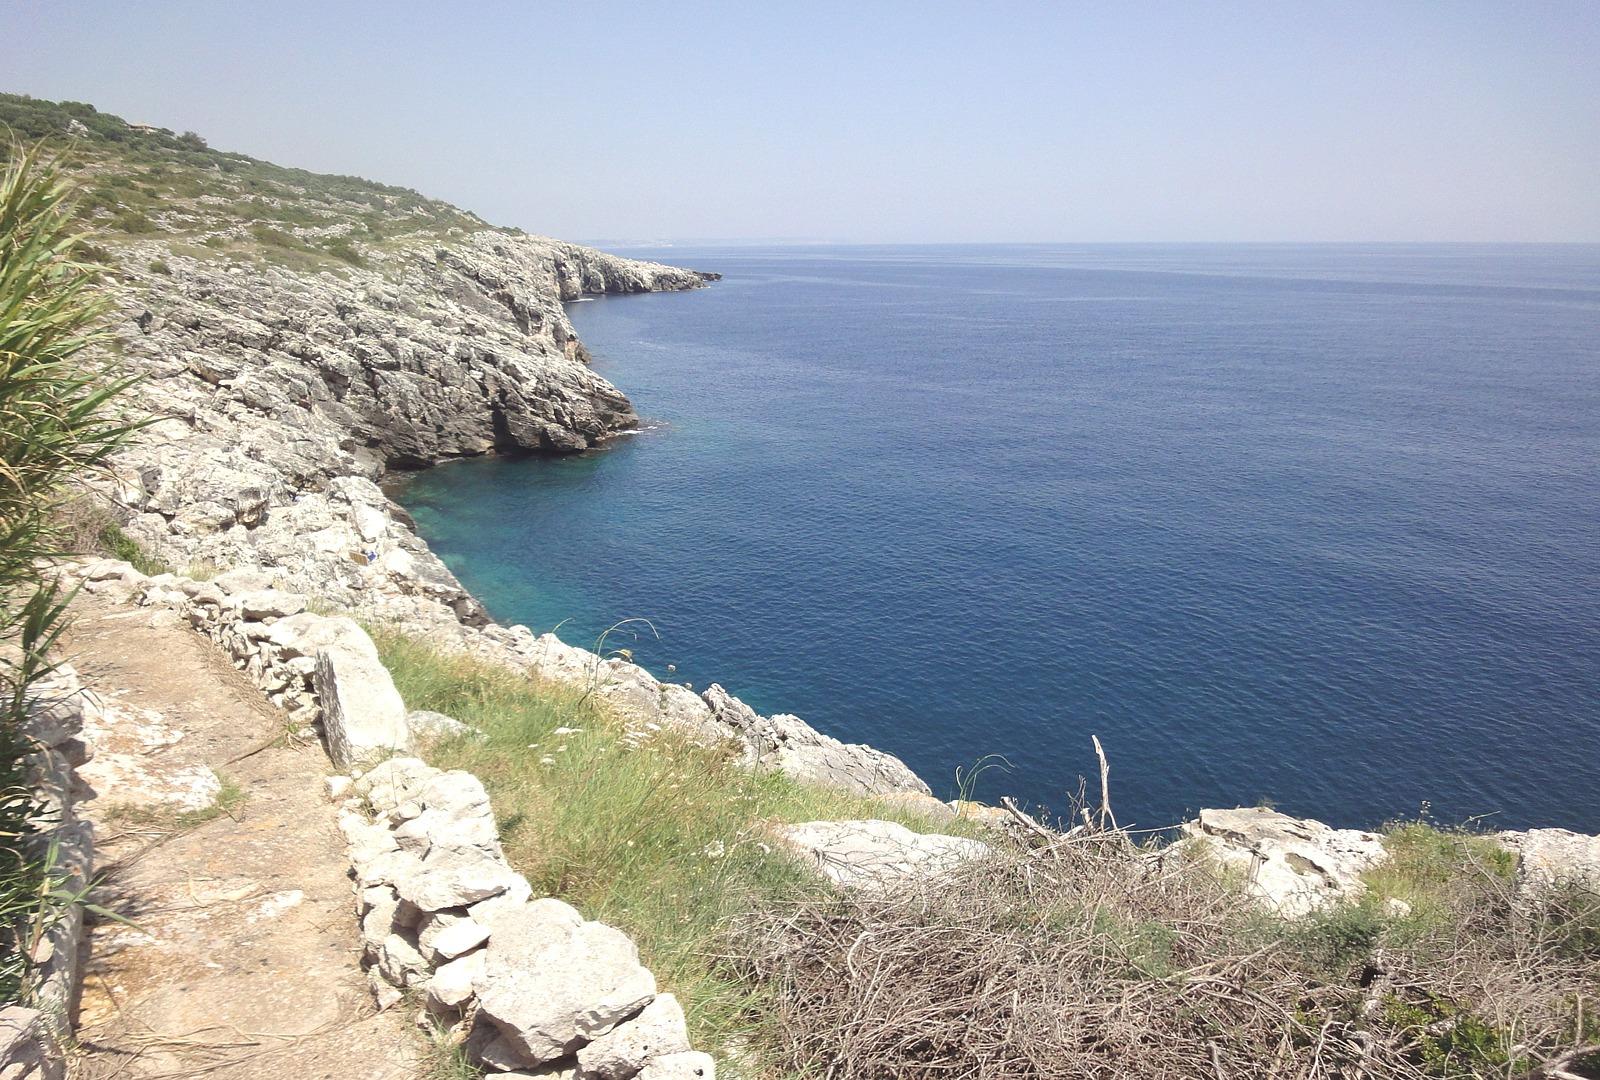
(1316, 525)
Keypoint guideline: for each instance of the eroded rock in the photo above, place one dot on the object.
(1296, 865)
(876, 855)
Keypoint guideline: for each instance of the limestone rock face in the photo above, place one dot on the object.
(553, 982)
(877, 855)
(1296, 865)
(790, 744)
(362, 715)
(1550, 860)
(291, 391)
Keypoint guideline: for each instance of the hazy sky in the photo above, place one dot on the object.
(867, 121)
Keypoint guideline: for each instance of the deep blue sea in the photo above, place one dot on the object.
(1317, 525)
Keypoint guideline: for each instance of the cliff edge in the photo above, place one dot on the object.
(301, 335)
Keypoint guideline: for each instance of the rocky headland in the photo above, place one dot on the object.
(301, 340)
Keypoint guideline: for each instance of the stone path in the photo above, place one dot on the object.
(242, 957)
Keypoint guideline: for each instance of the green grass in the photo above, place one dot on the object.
(137, 183)
(120, 545)
(667, 840)
(1427, 862)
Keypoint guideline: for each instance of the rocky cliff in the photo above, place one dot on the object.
(286, 395)
(301, 336)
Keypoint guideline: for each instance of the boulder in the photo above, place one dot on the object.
(452, 878)
(876, 855)
(454, 812)
(1552, 860)
(363, 718)
(393, 782)
(458, 938)
(453, 984)
(246, 579)
(400, 962)
(657, 1031)
(553, 982)
(424, 724)
(267, 604)
(1295, 865)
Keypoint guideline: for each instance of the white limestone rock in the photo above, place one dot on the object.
(363, 718)
(452, 984)
(877, 855)
(28, 1049)
(1552, 860)
(452, 811)
(424, 724)
(393, 782)
(553, 982)
(365, 841)
(453, 878)
(791, 745)
(459, 938)
(656, 1032)
(690, 1066)
(1295, 865)
(400, 962)
(266, 604)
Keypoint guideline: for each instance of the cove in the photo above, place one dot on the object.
(1314, 525)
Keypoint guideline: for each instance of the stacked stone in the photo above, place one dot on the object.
(321, 670)
(528, 987)
(30, 1038)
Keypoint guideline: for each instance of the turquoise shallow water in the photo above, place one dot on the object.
(1310, 524)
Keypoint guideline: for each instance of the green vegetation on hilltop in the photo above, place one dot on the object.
(138, 181)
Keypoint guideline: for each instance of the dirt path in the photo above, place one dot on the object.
(242, 960)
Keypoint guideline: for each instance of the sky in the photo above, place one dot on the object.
(883, 122)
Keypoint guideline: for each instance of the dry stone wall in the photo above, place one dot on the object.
(31, 1037)
(521, 983)
(526, 986)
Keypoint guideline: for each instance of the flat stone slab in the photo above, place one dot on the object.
(877, 855)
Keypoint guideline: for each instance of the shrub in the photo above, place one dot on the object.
(54, 425)
(342, 250)
(133, 221)
(1093, 957)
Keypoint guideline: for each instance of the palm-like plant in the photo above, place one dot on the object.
(55, 426)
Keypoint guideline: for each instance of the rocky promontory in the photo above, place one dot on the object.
(300, 338)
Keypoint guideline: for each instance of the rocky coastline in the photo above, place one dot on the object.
(288, 400)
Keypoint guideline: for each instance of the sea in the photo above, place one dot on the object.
(1316, 527)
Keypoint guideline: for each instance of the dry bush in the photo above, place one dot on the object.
(1091, 957)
